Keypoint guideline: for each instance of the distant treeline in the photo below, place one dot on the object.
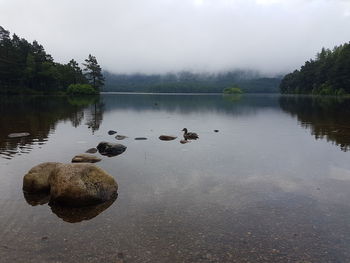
(187, 82)
(27, 68)
(328, 74)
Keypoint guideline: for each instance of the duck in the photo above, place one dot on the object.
(190, 135)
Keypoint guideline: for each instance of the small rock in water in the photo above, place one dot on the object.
(18, 135)
(92, 150)
(184, 141)
(111, 132)
(140, 138)
(121, 137)
(110, 149)
(167, 137)
(216, 130)
(85, 158)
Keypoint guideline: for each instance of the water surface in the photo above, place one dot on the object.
(271, 186)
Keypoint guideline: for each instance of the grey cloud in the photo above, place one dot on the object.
(272, 36)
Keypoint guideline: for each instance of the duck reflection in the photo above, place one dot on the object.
(69, 214)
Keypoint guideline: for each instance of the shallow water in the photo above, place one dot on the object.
(271, 186)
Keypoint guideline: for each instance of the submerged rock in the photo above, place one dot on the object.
(167, 137)
(35, 199)
(85, 158)
(110, 149)
(37, 179)
(78, 214)
(216, 130)
(18, 135)
(121, 137)
(81, 185)
(140, 138)
(92, 150)
(111, 132)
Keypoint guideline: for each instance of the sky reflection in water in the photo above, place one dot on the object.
(271, 185)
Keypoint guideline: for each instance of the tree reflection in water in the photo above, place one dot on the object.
(327, 117)
(39, 116)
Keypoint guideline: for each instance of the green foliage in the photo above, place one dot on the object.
(81, 89)
(326, 89)
(93, 72)
(27, 68)
(328, 74)
(233, 90)
(83, 100)
(233, 97)
(340, 92)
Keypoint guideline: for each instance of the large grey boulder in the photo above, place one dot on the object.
(110, 149)
(80, 185)
(37, 179)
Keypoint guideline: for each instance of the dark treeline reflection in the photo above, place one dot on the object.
(39, 115)
(327, 117)
(231, 104)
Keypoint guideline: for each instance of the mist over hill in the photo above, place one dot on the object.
(187, 82)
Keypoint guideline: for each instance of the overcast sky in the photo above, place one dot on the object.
(149, 36)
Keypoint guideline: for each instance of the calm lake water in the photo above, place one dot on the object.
(273, 185)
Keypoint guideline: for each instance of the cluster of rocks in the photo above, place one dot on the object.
(78, 184)
(104, 148)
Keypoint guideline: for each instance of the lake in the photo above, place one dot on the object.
(273, 185)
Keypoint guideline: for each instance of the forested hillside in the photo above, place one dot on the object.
(186, 82)
(328, 74)
(27, 68)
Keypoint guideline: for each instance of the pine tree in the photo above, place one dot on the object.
(93, 72)
(76, 72)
